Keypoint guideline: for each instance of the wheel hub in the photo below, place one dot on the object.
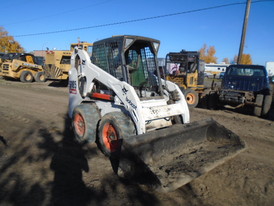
(110, 137)
(28, 77)
(190, 98)
(79, 124)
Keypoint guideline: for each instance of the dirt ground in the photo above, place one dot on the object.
(40, 165)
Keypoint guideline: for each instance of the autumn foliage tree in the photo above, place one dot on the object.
(8, 44)
(208, 54)
(246, 59)
(226, 60)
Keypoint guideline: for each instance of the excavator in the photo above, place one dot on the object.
(118, 100)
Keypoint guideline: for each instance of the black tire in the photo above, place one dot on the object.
(258, 105)
(84, 122)
(114, 127)
(26, 76)
(40, 77)
(267, 104)
(192, 98)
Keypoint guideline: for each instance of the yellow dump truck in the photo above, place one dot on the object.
(57, 62)
(21, 66)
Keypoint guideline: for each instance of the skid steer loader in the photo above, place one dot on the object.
(119, 101)
(22, 66)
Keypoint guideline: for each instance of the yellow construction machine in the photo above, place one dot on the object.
(21, 66)
(57, 62)
(186, 70)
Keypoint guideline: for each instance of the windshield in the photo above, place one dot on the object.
(136, 65)
(182, 63)
(65, 60)
(10, 56)
(246, 71)
(141, 65)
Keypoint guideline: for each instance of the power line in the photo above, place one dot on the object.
(137, 20)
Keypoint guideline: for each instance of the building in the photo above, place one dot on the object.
(270, 68)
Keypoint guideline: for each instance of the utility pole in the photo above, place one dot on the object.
(247, 11)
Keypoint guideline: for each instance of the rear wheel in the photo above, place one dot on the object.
(26, 76)
(192, 98)
(258, 105)
(85, 121)
(267, 104)
(40, 77)
(114, 127)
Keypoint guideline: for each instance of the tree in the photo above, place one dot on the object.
(226, 60)
(246, 59)
(207, 54)
(8, 44)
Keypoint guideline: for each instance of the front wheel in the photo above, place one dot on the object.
(26, 76)
(258, 105)
(114, 127)
(267, 104)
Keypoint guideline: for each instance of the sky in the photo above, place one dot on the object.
(178, 24)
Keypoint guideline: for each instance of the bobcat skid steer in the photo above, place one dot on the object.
(119, 100)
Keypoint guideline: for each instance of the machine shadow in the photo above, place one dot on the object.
(68, 164)
(62, 162)
(3, 140)
(59, 83)
(70, 161)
